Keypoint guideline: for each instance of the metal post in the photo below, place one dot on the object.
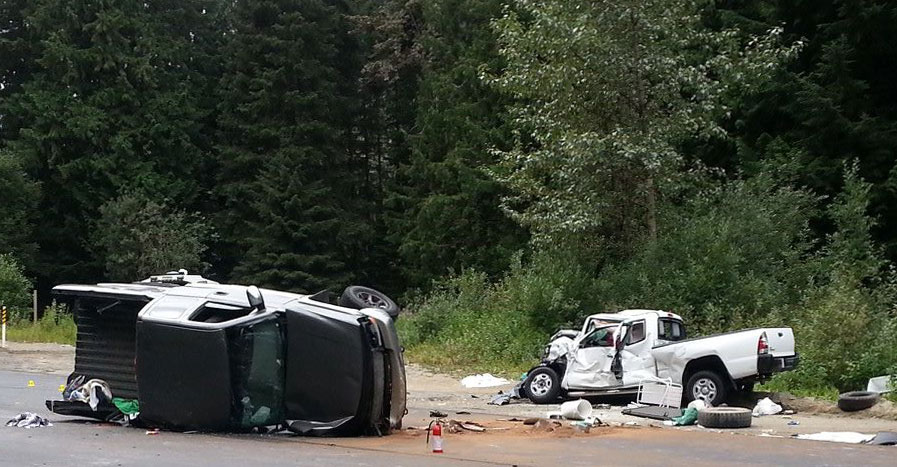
(3, 318)
(35, 306)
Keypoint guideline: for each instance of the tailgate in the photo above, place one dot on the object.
(781, 341)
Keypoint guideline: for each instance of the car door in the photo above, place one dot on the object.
(635, 357)
(590, 365)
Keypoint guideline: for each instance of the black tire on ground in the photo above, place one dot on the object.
(857, 400)
(542, 385)
(358, 297)
(708, 386)
(724, 417)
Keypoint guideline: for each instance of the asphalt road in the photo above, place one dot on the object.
(71, 442)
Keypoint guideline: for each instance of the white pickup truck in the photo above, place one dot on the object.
(614, 352)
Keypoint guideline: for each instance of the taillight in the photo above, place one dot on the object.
(762, 345)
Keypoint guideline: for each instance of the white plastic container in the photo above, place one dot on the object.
(576, 410)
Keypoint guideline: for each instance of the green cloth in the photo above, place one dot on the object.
(688, 417)
(126, 406)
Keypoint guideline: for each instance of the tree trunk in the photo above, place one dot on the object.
(651, 214)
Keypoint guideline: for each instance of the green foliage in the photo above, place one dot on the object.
(468, 321)
(846, 327)
(605, 91)
(293, 217)
(15, 288)
(17, 211)
(443, 207)
(729, 257)
(114, 102)
(139, 237)
(56, 326)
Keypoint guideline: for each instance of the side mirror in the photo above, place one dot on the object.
(255, 298)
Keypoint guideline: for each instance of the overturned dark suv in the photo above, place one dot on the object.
(198, 355)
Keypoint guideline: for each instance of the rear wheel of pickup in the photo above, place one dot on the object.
(542, 385)
(707, 386)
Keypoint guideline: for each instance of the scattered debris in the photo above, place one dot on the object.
(462, 412)
(438, 414)
(576, 410)
(28, 420)
(688, 417)
(631, 424)
(698, 404)
(500, 399)
(880, 384)
(93, 392)
(788, 412)
(484, 380)
(838, 437)
(152, 432)
(473, 426)
(885, 438)
(581, 427)
(794, 423)
(766, 406)
(725, 417)
(653, 412)
(532, 420)
(601, 406)
(857, 400)
(126, 406)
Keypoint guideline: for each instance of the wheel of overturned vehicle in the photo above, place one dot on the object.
(706, 386)
(724, 417)
(542, 385)
(358, 297)
(857, 400)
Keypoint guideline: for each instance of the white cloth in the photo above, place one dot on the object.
(484, 380)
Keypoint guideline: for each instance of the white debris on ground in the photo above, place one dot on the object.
(880, 384)
(838, 437)
(484, 380)
(766, 406)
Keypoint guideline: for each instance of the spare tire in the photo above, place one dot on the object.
(358, 297)
(724, 417)
(857, 400)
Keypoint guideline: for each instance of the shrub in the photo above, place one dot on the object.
(14, 287)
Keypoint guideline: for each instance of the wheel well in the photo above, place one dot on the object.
(709, 363)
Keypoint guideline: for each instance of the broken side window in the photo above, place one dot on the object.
(257, 362)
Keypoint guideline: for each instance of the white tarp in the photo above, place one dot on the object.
(484, 380)
(839, 437)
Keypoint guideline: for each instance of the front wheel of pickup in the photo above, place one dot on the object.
(707, 386)
(542, 385)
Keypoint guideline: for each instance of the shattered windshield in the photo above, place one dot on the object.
(601, 337)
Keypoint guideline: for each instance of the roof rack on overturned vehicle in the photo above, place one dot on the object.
(179, 277)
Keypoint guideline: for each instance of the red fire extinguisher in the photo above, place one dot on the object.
(434, 430)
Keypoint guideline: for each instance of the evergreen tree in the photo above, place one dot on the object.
(285, 174)
(836, 103)
(443, 206)
(114, 104)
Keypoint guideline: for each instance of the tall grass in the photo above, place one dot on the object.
(56, 326)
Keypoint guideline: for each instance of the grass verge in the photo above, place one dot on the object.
(54, 327)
